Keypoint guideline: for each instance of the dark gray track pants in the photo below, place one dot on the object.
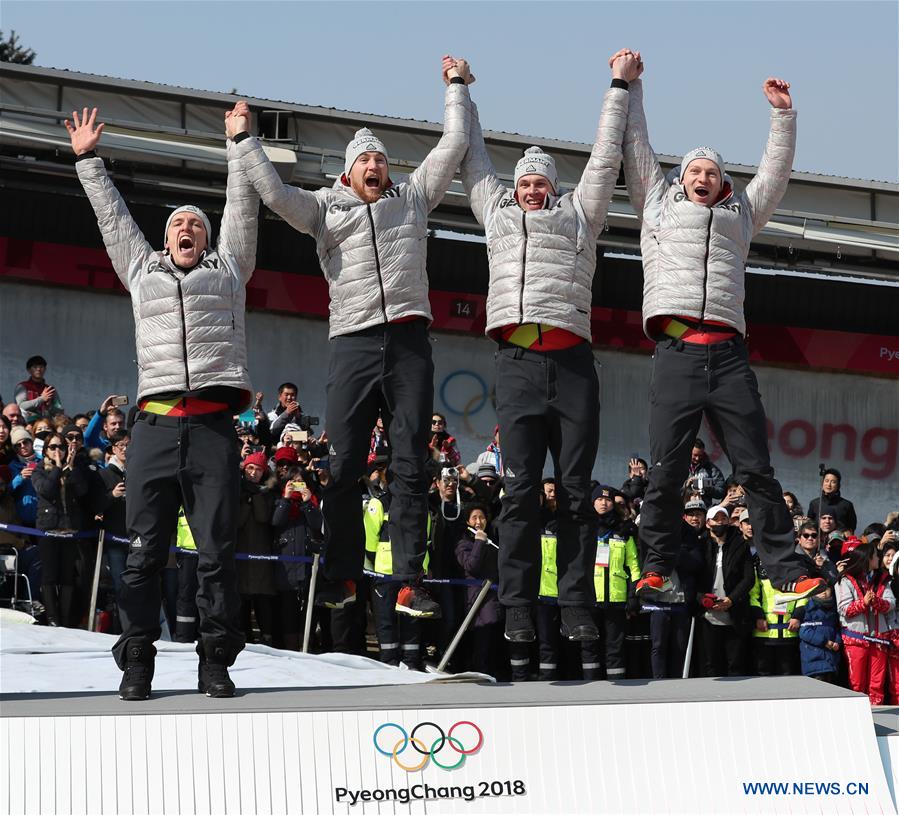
(387, 368)
(687, 381)
(547, 401)
(174, 461)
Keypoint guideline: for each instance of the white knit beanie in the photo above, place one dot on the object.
(363, 142)
(706, 153)
(536, 162)
(195, 211)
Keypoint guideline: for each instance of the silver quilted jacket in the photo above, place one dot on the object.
(189, 326)
(694, 257)
(373, 255)
(542, 262)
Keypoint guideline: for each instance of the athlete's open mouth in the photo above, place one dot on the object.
(185, 242)
(372, 181)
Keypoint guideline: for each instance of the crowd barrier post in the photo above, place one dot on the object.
(310, 602)
(92, 614)
(689, 655)
(469, 618)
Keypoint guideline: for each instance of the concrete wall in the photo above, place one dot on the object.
(848, 421)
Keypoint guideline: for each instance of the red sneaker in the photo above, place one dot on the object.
(804, 587)
(651, 584)
(416, 602)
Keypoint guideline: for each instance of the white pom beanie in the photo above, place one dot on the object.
(195, 211)
(706, 153)
(536, 162)
(363, 142)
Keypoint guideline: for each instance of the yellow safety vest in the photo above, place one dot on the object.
(184, 537)
(777, 614)
(378, 554)
(549, 575)
(610, 581)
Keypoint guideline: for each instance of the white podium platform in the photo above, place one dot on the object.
(719, 746)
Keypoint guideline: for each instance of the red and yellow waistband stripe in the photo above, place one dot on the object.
(181, 406)
(672, 327)
(539, 337)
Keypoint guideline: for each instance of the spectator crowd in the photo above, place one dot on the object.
(63, 473)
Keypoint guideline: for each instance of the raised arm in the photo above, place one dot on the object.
(432, 177)
(646, 183)
(125, 243)
(594, 191)
(479, 178)
(300, 208)
(240, 226)
(766, 190)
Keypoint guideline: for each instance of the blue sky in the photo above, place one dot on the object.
(541, 67)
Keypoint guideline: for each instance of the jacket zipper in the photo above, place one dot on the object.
(524, 256)
(705, 276)
(183, 335)
(374, 243)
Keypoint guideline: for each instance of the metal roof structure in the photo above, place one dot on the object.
(167, 142)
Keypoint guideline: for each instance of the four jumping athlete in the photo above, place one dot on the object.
(370, 233)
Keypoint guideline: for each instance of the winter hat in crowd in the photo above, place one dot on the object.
(716, 510)
(72, 428)
(286, 454)
(194, 210)
(536, 162)
(487, 471)
(702, 152)
(258, 459)
(603, 491)
(744, 515)
(363, 142)
(849, 544)
(695, 504)
(19, 433)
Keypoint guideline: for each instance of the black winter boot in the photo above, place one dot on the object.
(51, 604)
(139, 666)
(212, 675)
(578, 625)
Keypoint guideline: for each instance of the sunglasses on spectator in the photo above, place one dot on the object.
(73, 436)
(56, 446)
(809, 534)
(23, 442)
(437, 421)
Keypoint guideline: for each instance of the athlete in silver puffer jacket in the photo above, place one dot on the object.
(188, 303)
(372, 247)
(541, 247)
(695, 240)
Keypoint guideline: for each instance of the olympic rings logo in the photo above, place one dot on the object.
(428, 754)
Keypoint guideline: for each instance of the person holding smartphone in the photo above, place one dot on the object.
(189, 313)
(60, 482)
(105, 423)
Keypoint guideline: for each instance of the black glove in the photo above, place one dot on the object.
(633, 605)
(315, 546)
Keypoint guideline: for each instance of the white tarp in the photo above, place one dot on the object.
(39, 659)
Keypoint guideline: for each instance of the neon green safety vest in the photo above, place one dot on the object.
(610, 581)
(184, 538)
(549, 576)
(777, 614)
(378, 554)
